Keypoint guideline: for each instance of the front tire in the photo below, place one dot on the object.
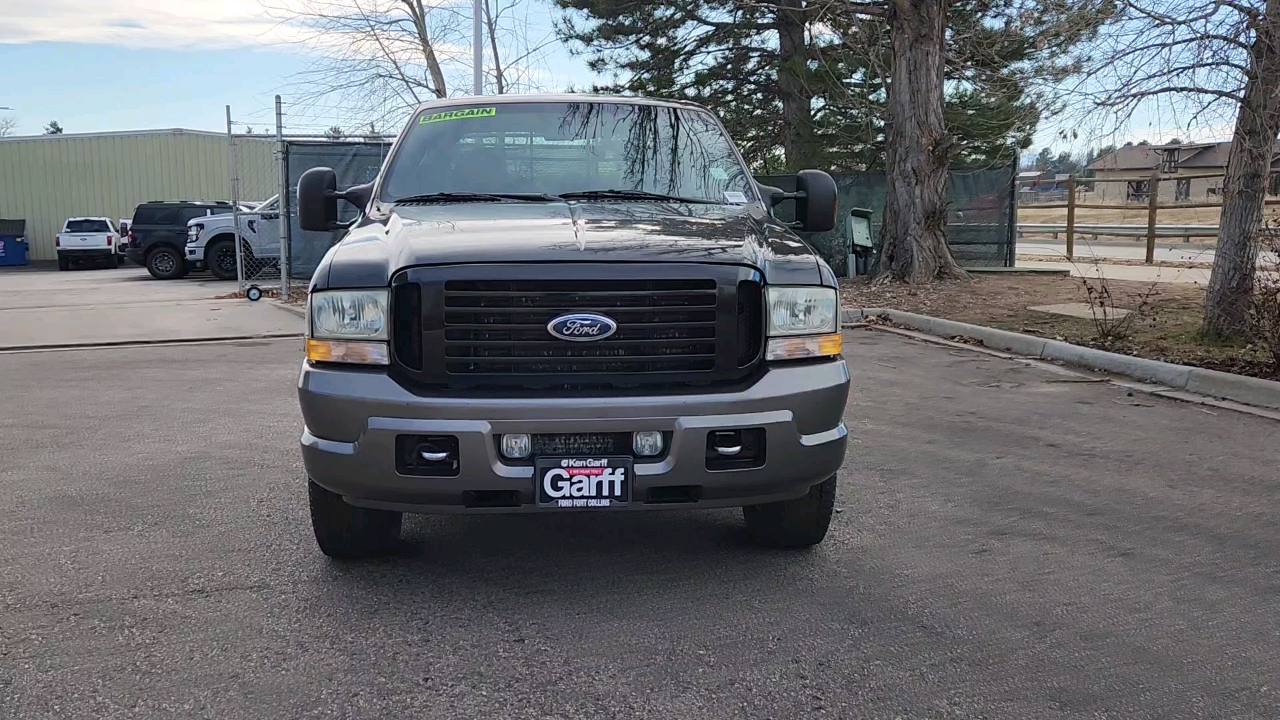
(165, 264)
(798, 523)
(344, 531)
(220, 257)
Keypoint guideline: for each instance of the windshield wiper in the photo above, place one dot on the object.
(476, 197)
(632, 195)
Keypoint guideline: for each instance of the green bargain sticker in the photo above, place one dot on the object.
(458, 115)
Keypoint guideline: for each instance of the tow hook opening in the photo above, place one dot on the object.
(741, 449)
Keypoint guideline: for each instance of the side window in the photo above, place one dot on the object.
(188, 214)
(159, 216)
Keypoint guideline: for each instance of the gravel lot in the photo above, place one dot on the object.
(1009, 546)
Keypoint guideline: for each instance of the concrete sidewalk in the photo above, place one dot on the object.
(1139, 273)
(126, 305)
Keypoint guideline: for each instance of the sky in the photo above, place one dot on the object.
(105, 65)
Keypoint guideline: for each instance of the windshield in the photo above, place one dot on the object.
(557, 148)
(88, 226)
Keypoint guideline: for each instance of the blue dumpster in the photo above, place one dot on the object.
(13, 246)
(13, 250)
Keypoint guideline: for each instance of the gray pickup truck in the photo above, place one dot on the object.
(569, 303)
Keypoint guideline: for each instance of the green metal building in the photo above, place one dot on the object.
(46, 179)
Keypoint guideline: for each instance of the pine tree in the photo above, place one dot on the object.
(801, 83)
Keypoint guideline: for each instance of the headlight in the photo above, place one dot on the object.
(802, 310)
(349, 315)
(193, 233)
(804, 322)
(348, 326)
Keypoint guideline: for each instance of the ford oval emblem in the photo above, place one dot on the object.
(582, 327)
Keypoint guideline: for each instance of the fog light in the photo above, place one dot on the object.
(647, 443)
(516, 446)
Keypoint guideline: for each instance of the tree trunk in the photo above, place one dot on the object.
(797, 98)
(1253, 145)
(918, 150)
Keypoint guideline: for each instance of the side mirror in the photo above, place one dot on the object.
(817, 201)
(318, 199)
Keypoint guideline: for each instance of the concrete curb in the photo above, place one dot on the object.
(1237, 388)
(289, 308)
(107, 344)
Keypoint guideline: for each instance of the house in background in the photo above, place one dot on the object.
(1172, 161)
(1041, 186)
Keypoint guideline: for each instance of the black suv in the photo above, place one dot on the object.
(158, 234)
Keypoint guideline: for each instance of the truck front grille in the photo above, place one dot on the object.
(487, 325)
(500, 327)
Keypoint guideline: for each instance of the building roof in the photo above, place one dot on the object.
(121, 133)
(1201, 156)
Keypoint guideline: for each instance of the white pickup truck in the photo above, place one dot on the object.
(211, 240)
(92, 239)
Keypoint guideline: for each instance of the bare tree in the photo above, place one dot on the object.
(335, 133)
(8, 125)
(374, 59)
(1206, 61)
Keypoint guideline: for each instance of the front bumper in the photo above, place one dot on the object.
(352, 419)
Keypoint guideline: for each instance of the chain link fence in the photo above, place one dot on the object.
(981, 215)
(255, 188)
(274, 252)
(981, 219)
(356, 162)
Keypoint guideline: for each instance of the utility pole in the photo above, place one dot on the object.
(477, 46)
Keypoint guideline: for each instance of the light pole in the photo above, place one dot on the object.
(477, 47)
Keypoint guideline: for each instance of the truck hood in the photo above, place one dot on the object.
(417, 235)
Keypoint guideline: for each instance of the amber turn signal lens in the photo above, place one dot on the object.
(339, 351)
(803, 346)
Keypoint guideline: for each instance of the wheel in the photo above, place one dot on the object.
(165, 264)
(345, 531)
(220, 256)
(64, 262)
(113, 261)
(797, 523)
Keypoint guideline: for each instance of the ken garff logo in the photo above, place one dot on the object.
(582, 327)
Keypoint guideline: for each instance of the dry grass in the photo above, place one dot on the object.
(1131, 215)
(1121, 215)
(1169, 332)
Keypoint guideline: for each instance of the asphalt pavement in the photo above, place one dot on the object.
(42, 306)
(1010, 545)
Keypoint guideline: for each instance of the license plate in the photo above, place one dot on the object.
(583, 482)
